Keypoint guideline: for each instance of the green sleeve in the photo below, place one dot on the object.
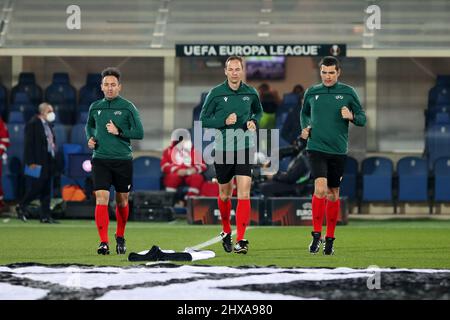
(135, 129)
(359, 116)
(257, 109)
(207, 116)
(305, 113)
(90, 125)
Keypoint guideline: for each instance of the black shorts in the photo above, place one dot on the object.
(107, 172)
(329, 166)
(228, 165)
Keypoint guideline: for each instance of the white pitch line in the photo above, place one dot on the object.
(213, 241)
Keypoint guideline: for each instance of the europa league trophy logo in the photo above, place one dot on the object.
(335, 50)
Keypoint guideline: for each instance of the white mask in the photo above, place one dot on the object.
(51, 116)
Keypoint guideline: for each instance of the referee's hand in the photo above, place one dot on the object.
(91, 143)
(231, 119)
(305, 133)
(251, 125)
(111, 127)
(346, 113)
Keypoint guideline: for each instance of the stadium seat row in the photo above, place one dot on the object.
(27, 94)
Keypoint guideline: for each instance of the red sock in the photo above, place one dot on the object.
(242, 217)
(225, 212)
(102, 221)
(318, 211)
(122, 218)
(333, 208)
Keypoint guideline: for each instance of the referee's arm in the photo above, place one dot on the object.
(305, 113)
(90, 125)
(207, 116)
(359, 116)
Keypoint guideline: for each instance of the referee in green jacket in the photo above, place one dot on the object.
(327, 110)
(234, 109)
(113, 121)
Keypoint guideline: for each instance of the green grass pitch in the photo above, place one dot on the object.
(360, 244)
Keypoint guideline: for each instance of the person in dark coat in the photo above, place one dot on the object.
(39, 160)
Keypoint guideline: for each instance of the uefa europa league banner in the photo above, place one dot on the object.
(225, 50)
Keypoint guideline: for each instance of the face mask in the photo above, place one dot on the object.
(51, 116)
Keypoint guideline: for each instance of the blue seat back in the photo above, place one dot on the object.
(413, 179)
(442, 179)
(16, 117)
(147, 173)
(377, 179)
(61, 135)
(78, 136)
(437, 143)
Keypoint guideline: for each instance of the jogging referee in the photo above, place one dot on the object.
(327, 110)
(113, 121)
(234, 109)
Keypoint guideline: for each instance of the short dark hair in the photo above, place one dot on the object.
(111, 71)
(241, 60)
(330, 61)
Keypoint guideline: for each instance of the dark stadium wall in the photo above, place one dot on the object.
(5, 75)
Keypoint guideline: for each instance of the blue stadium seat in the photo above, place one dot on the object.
(147, 173)
(70, 148)
(91, 91)
(440, 93)
(82, 117)
(84, 107)
(23, 105)
(413, 179)
(64, 113)
(437, 143)
(442, 118)
(15, 150)
(442, 179)
(3, 100)
(62, 95)
(348, 186)
(377, 179)
(27, 84)
(431, 115)
(16, 117)
(78, 136)
(10, 180)
(9, 183)
(443, 97)
(61, 135)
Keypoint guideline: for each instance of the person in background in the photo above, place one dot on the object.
(270, 101)
(178, 168)
(39, 159)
